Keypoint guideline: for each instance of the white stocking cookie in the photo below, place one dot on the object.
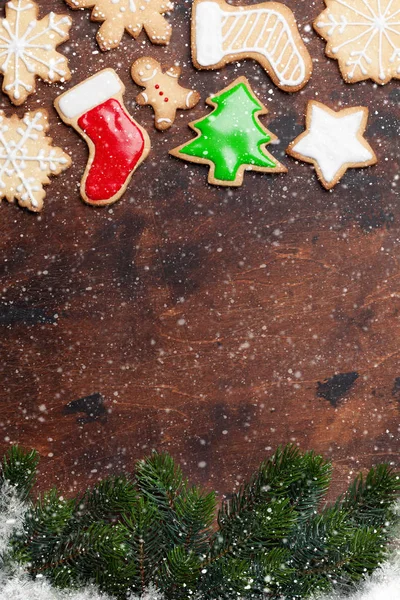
(128, 15)
(117, 144)
(27, 158)
(364, 36)
(28, 48)
(162, 91)
(265, 32)
(333, 142)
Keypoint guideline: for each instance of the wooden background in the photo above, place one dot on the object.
(212, 323)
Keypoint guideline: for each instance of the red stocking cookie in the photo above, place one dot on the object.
(117, 144)
(163, 91)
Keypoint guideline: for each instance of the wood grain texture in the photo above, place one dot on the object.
(213, 323)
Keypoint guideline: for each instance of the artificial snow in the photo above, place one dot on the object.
(384, 584)
(20, 587)
(12, 513)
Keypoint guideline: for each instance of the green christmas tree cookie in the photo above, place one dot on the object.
(231, 139)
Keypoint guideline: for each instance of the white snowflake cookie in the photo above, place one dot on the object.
(27, 158)
(131, 16)
(28, 49)
(364, 36)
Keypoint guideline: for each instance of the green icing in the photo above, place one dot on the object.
(231, 135)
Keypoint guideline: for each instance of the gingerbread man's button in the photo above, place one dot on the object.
(162, 91)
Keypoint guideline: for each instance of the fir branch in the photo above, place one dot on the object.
(107, 501)
(96, 555)
(274, 538)
(179, 573)
(43, 528)
(195, 512)
(18, 468)
(369, 500)
(146, 542)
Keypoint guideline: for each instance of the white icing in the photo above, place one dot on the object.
(89, 93)
(27, 47)
(187, 98)
(145, 97)
(154, 73)
(274, 41)
(163, 120)
(208, 34)
(14, 156)
(333, 141)
(371, 21)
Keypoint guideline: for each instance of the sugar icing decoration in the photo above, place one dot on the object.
(231, 139)
(266, 32)
(333, 142)
(364, 36)
(28, 48)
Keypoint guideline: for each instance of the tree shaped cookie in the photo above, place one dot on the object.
(28, 48)
(162, 91)
(27, 158)
(231, 139)
(130, 15)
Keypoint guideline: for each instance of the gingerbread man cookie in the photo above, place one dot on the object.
(162, 91)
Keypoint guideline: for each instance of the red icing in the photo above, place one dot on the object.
(156, 86)
(165, 99)
(161, 93)
(119, 144)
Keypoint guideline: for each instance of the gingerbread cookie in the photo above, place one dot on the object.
(231, 139)
(27, 159)
(117, 144)
(162, 91)
(333, 142)
(266, 32)
(364, 36)
(28, 49)
(128, 15)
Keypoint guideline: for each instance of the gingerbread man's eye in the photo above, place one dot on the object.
(148, 67)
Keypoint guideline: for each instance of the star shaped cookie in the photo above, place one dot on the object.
(162, 91)
(333, 142)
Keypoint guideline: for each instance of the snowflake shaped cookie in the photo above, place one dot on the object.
(130, 15)
(27, 158)
(28, 49)
(364, 36)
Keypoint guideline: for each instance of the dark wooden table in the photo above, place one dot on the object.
(212, 323)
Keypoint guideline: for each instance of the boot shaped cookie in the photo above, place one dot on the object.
(266, 32)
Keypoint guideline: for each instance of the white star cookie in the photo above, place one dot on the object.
(333, 142)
